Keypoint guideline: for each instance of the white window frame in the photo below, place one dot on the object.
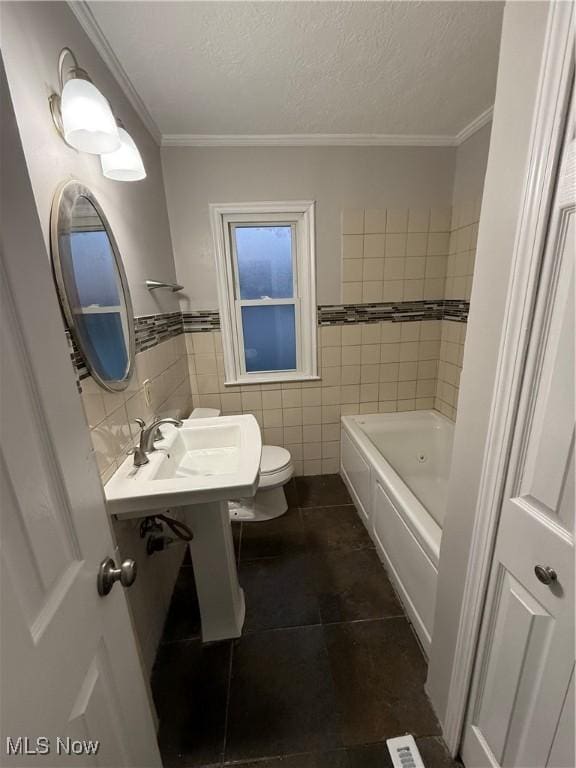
(300, 216)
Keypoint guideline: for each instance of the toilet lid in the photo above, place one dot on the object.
(274, 458)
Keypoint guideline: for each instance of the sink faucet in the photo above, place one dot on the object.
(147, 437)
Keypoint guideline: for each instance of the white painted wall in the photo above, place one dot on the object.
(336, 177)
(520, 57)
(33, 34)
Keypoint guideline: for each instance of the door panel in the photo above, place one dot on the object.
(566, 503)
(549, 439)
(48, 549)
(58, 636)
(518, 645)
(41, 499)
(562, 752)
(69, 663)
(518, 709)
(98, 710)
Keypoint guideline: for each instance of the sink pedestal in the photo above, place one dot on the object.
(220, 596)
(202, 464)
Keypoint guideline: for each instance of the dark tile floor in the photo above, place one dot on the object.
(327, 668)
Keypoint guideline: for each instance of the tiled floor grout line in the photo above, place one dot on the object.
(337, 708)
(181, 640)
(327, 506)
(325, 624)
(304, 553)
(252, 632)
(283, 755)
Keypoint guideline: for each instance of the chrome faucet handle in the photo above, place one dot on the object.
(139, 452)
(148, 435)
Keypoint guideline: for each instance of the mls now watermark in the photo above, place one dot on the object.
(42, 745)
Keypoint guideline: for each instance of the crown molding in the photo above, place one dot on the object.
(305, 140)
(479, 122)
(326, 139)
(85, 17)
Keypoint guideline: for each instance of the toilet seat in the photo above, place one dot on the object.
(275, 466)
(273, 459)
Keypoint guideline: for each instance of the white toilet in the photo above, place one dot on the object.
(276, 469)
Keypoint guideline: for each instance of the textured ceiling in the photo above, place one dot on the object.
(307, 67)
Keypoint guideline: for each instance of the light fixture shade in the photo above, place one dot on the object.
(87, 119)
(125, 164)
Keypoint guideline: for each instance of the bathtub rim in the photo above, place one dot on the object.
(420, 522)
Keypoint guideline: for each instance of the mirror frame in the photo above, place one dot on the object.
(64, 198)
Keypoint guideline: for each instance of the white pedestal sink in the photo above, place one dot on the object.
(197, 468)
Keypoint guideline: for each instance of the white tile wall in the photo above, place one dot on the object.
(450, 367)
(111, 415)
(462, 250)
(364, 368)
(394, 254)
(407, 255)
(459, 275)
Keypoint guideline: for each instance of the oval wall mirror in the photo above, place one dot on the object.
(92, 285)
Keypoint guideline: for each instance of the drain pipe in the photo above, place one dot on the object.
(157, 541)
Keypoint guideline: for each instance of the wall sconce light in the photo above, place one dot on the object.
(125, 164)
(84, 119)
(82, 115)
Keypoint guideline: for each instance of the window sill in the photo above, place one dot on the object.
(243, 381)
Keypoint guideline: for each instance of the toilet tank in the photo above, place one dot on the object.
(204, 413)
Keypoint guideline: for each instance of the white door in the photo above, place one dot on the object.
(69, 665)
(522, 705)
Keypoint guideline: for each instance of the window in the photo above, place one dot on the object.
(266, 289)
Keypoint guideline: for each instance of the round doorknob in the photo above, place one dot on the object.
(545, 574)
(108, 574)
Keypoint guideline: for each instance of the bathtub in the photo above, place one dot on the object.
(396, 467)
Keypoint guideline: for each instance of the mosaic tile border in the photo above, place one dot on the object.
(151, 330)
(394, 311)
(201, 320)
(456, 310)
(345, 314)
(77, 360)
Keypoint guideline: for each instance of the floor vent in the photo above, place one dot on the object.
(404, 752)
